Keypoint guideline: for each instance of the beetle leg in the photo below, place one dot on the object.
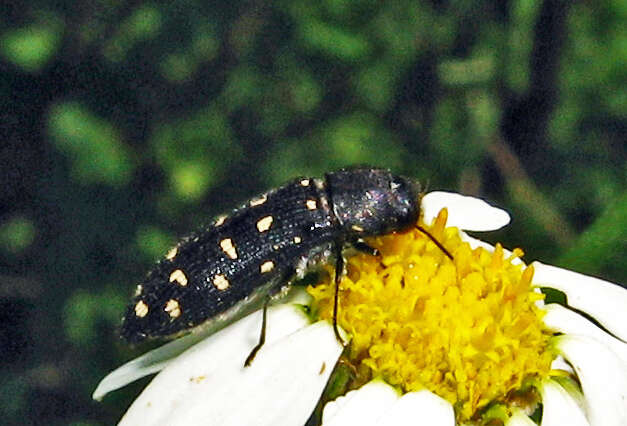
(339, 270)
(275, 293)
(262, 336)
(362, 246)
(436, 242)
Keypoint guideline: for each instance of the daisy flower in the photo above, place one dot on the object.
(432, 341)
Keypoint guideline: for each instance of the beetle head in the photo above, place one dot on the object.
(370, 201)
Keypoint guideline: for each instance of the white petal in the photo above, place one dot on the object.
(559, 318)
(464, 212)
(360, 407)
(604, 301)
(559, 363)
(419, 408)
(519, 418)
(603, 379)
(475, 242)
(560, 408)
(378, 403)
(208, 384)
(149, 363)
(156, 359)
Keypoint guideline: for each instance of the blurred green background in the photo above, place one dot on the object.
(125, 125)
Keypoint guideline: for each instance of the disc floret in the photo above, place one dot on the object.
(466, 329)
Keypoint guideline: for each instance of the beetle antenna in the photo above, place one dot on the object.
(436, 242)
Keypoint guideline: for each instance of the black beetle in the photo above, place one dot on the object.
(245, 258)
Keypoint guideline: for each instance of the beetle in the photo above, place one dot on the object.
(249, 256)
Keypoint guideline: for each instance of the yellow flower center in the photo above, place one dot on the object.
(467, 330)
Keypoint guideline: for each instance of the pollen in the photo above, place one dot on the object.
(468, 329)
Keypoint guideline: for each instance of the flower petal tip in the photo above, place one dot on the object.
(561, 407)
(602, 300)
(603, 378)
(464, 212)
(421, 404)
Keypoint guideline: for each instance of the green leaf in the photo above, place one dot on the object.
(17, 234)
(335, 41)
(603, 246)
(32, 47)
(93, 145)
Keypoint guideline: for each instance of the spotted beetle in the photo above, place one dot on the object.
(247, 257)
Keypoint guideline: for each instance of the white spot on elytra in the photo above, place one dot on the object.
(304, 182)
(259, 201)
(141, 309)
(173, 308)
(179, 277)
(220, 220)
(266, 266)
(264, 223)
(229, 248)
(172, 253)
(357, 228)
(221, 282)
(297, 240)
(311, 204)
